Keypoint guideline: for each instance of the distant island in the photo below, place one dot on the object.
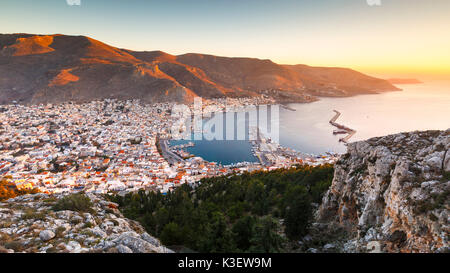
(404, 81)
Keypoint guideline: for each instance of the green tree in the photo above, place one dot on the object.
(265, 236)
(298, 216)
(172, 235)
(233, 213)
(243, 230)
(219, 238)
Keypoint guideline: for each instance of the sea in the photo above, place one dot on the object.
(307, 129)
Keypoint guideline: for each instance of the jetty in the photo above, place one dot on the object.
(341, 128)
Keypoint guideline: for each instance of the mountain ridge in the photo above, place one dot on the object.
(58, 68)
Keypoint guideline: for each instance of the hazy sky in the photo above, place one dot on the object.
(398, 37)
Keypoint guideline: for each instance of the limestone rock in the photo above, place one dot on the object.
(124, 249)
(46, 235)
(105, 231)
(152, 240)
(393, 193)
(135, 243)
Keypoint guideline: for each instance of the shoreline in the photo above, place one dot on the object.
(269, 100)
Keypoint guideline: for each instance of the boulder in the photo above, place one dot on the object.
(312, 250)
(329, 247)
(152, 240)
(73, 247)
(374, 247)
(98, 232)
(46, 235)
(135, 243)
(124, 249)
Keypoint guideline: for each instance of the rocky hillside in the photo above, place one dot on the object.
(59, 68)
(42, 224)
(392, 193)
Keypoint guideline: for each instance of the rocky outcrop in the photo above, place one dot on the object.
(29, 224)
(392, 193)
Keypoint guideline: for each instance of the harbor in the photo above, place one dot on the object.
(166, 151)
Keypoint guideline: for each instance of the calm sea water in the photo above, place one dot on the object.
(223, 152)
(418, 107)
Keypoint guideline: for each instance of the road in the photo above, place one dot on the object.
(171, 157)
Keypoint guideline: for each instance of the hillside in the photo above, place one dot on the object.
(392, 193)
(58, 68)
(387, 194)
(41, 223)
(262, 212)
(337, 82)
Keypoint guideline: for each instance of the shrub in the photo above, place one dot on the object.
(75, 221)
(433, 217)
(52, 250)
(14, 245)
(446, 176)
(88, 225)
(75, 202)
(3, 250)
(50, 200)
(32, 213)
(60, 231)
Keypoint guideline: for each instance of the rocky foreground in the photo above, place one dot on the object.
(391, 194)
(30, 224)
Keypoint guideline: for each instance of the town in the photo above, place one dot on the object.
(113, 146)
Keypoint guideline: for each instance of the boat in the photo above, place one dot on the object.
(339, 132)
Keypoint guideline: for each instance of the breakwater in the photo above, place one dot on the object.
(342, 128)
(287, 107)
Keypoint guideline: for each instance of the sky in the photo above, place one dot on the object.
(396, 38)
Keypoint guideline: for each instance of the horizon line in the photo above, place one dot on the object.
(374, 70)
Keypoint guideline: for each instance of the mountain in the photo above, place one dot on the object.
(336, 82)
(404, 81)
(58, 68)
(392, 193)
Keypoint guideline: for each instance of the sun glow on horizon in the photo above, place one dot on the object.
(397, 37)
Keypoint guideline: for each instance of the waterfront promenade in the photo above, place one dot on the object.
(170, 156)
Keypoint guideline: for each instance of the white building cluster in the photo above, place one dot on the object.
(106, 146)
